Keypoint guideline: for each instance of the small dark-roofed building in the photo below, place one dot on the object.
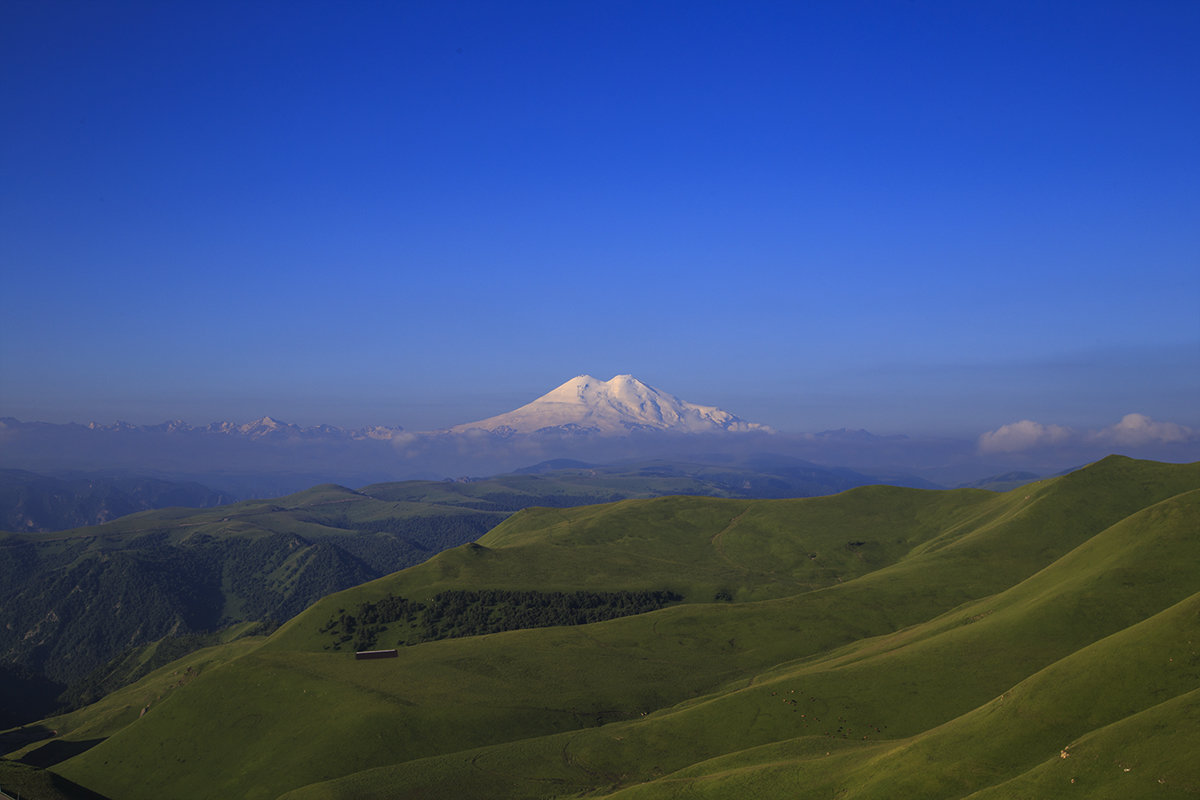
(363, 655)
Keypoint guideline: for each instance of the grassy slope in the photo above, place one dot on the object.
(524, 696)
(887, 710)
(177, 570)
(124, 706)
(1127, 743)
(1030, 721)
(30, 783)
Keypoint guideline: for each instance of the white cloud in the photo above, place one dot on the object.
(1138, 429)
(1023, 435)
(402, 439)
(1134, 430)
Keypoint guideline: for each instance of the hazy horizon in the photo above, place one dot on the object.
(470, 409)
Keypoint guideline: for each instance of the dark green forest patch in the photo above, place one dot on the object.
(458, 613)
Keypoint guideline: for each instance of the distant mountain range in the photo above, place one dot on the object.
(582, 405)
(584, 419)
(264, 428)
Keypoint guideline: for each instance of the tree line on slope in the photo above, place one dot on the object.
(461, 612)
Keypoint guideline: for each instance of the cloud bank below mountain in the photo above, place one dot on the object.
(1133, 430)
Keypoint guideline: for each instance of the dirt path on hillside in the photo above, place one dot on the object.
(716, 540)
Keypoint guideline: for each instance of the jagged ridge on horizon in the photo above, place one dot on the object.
(617, 406)
(583, 404)
(265, 427)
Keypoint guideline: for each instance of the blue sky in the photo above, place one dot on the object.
(924, 217)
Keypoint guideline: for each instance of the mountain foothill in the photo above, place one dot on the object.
(883, 641)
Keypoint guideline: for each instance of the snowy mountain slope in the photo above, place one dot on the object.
(617, 406)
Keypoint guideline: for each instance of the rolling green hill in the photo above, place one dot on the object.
(883, 642)
(79, 606)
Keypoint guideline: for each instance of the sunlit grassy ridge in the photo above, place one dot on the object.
(882, 643)
(892, 701)
(73, 601)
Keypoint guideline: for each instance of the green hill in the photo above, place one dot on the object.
(884, 642)
(80, 607)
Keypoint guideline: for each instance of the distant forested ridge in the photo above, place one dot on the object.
(30, 502)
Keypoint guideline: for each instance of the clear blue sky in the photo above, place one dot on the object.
(908, 216)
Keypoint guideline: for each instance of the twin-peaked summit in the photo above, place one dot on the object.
(621, 405)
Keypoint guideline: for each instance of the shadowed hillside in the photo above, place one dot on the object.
(31, 502)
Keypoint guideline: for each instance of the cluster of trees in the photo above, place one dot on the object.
(461, 612)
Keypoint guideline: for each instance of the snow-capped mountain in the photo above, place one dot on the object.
(587, 405)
